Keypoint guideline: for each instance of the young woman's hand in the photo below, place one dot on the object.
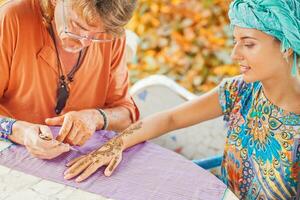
(110, 154)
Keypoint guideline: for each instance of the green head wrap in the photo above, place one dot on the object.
(279, 18)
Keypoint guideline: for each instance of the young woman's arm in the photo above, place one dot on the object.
(203, 108)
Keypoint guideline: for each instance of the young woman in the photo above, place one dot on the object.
(261, 107)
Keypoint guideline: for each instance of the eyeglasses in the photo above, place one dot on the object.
(98, 37)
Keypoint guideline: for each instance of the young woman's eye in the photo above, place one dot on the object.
(249, 45)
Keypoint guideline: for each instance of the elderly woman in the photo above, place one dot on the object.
(62, 63)
(261, 107)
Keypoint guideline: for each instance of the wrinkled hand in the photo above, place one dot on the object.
(110, 154)
(38, 140)
(77, 126)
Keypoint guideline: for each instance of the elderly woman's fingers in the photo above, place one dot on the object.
(49, 153)
(65, 129)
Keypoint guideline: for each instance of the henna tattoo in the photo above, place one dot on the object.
(117, 143)
(110, 150)
(132, 128)
(114, 163)
(82, 162)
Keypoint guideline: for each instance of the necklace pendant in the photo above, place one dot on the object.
(62, 96)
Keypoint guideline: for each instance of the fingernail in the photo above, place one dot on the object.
(67, 176)
(106, 173)
(78, 179)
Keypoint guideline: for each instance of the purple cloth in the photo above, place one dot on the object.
(147, 171)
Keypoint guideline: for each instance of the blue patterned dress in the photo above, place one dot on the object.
(262, 151)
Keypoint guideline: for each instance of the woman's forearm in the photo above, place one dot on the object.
(192, 112)
(146, 129)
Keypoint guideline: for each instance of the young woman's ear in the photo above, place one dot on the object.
(287, 54)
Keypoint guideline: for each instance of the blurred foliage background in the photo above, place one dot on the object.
(189, 41)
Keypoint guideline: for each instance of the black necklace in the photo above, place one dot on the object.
(63, 89)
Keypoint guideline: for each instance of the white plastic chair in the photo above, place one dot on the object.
(157, 93)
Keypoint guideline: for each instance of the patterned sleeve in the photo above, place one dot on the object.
(230, 92)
